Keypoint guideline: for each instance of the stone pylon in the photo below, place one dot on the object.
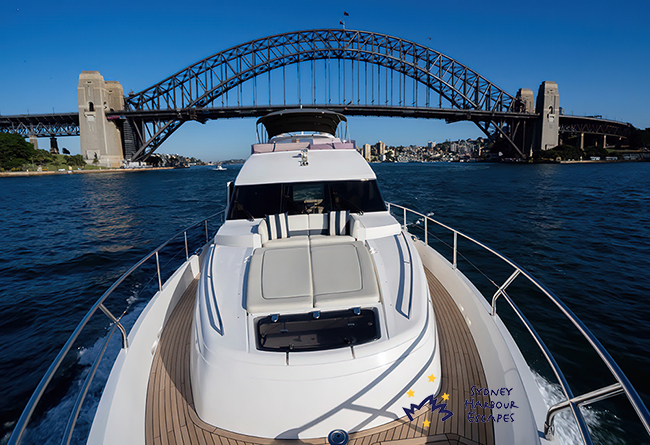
(547, 130)
(101, 139)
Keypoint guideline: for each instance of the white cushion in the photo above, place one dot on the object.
(318, 223)
(288, 242)
(263, 231)
(298, 224)
(279, 279)
(277, 226)
(336, 269)
(338, 222)
(320, 240)
(343, 275)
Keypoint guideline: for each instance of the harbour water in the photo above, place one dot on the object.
(582, 230)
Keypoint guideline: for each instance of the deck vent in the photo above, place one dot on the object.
(338, 437)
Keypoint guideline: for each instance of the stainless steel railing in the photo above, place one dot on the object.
(19, 430)
(623, 385)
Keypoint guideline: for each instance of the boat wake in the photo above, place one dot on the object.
(566, 429)
(50, 428)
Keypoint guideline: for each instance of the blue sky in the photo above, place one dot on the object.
(598, 52)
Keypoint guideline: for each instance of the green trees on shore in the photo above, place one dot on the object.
(16, 154)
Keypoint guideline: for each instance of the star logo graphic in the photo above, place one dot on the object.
(435, 405)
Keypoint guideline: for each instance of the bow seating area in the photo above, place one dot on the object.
(310, 261)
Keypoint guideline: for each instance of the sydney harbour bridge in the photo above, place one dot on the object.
(356, 73)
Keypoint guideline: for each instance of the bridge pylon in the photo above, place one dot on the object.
(547, 131)
(100, 138)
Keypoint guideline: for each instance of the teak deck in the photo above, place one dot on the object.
(171, 418)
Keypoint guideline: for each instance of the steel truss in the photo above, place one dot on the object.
(593, 125)
(201, 84)
(41, 125)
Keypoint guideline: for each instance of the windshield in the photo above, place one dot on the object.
(257, 201)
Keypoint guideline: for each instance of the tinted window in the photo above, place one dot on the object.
(356, 196)
(303, 332)
(257, 201)
(306, 197)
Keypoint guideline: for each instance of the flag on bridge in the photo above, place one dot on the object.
(346, 14)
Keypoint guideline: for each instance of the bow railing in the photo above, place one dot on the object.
(19, 431)
(572, 402)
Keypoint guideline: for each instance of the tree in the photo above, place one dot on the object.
(42, 157)
(600, 152)
(640, 138)
(564, 152)
(76, 161)
(15, 151)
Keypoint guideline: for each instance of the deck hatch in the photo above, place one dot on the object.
(303, 332)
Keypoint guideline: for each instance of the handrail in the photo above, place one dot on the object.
(27, 413)
(590, 397)
(623, 385)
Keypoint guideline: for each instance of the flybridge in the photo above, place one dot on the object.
(289, 121)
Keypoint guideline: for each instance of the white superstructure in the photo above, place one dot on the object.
(280, 274)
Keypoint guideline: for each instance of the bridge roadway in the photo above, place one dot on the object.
(41, 125)
(67, 124)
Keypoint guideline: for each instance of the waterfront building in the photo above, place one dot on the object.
(381, 149)
(366, 152)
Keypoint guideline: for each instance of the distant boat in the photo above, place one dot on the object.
(219, 168)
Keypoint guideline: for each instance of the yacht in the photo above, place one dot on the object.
(318, 313)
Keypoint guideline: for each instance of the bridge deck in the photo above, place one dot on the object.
(171, 418)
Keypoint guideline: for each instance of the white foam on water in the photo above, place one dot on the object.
(51, 427)
(566, 428)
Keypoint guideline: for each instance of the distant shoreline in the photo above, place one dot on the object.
(77, 172)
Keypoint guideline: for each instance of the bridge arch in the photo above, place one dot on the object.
(200, 85)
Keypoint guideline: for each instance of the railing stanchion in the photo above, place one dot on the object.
(187, 252)
(502, 289)
(207, 237)
(159, 274)
(426, 232)
(109, 314)
(455, 265)
(591, 397)
(405, 219)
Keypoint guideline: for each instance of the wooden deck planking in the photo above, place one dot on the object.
(171, 418)
(455, 331)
